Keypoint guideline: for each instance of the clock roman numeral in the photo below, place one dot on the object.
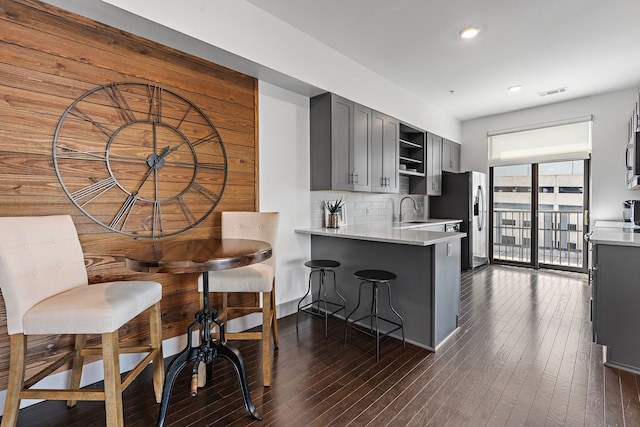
(212, 166)
(188, 215)
(93, 191)
(63, 152)
(157, 220)
(123, 213)
(184, 117)
(208, 194)
(155, 103)
(120, 102)
(101, 127)
(211, 137)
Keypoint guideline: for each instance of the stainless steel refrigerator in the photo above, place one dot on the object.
(464, 196)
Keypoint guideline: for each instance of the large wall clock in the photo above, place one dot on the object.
(139, 159)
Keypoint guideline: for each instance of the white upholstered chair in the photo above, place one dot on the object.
(46, 292)
(252, 278)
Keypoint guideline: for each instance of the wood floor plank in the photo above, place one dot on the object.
(629, 389)
(613, 414)
(522, 355)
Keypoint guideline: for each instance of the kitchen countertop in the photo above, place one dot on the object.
(615, 233)
(425, 222)
(389, 233)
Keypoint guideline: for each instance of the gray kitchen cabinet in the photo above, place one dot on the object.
(340, 144)
(426, 176)
(450, 156)
(434, 165)
(412, 157)
(384, 153)
(614, 311)
(446, 289)
(411, 144)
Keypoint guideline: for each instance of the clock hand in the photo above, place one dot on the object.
(146, 176)
(165, 151)
(174, 149)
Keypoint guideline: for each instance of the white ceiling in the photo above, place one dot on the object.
(587, 46)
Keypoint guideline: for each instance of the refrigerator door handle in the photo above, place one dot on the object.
(482, 207)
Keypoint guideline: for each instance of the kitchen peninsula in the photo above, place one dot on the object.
(427, 263)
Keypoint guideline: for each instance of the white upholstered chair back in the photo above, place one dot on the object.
(252, 225)
(39, 257)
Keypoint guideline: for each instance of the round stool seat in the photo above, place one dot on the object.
(375, 275)
(322, 263)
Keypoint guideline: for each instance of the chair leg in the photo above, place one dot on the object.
(112, 382)
(155, 333)
(274, 317)
(76, 366)
(266, 338)
(16, 379)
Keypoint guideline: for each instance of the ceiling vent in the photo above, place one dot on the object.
(553, 91)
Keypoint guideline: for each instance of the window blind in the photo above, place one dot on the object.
(557, 141)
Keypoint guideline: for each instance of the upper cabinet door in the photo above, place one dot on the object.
(450, 156)
(341, 145)
(434, 165)
(384, 153)
(361, 149)
(390, 154)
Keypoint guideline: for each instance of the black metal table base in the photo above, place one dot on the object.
(206, 352)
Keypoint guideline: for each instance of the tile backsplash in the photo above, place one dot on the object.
(366, 208)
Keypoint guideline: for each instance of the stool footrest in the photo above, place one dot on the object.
(308, 308)
(352, 324)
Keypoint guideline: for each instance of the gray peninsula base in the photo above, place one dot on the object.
(426, 292)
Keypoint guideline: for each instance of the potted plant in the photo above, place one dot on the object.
(334, 208)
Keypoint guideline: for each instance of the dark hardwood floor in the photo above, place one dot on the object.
(522, 356)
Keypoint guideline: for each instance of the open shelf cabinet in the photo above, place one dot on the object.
(412, 152)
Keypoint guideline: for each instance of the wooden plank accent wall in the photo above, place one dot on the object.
(48, 58)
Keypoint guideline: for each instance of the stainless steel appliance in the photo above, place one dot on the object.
(464, 196)
(634, 211)
(626, 211)
(632, 160)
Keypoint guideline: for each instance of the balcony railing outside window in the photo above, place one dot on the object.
(560, 237)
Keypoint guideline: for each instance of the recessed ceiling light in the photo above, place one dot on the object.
(469, 32)
(516, 88)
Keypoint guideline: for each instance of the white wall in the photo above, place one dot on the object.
(285, 185)
(611, 113)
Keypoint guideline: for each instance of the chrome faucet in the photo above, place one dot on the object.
(415, 206)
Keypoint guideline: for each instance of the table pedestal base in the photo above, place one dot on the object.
(206, 352)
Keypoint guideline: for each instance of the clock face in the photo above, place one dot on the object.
(139, 159)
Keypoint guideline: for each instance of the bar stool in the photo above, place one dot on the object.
(375, 277)
(321, 267)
